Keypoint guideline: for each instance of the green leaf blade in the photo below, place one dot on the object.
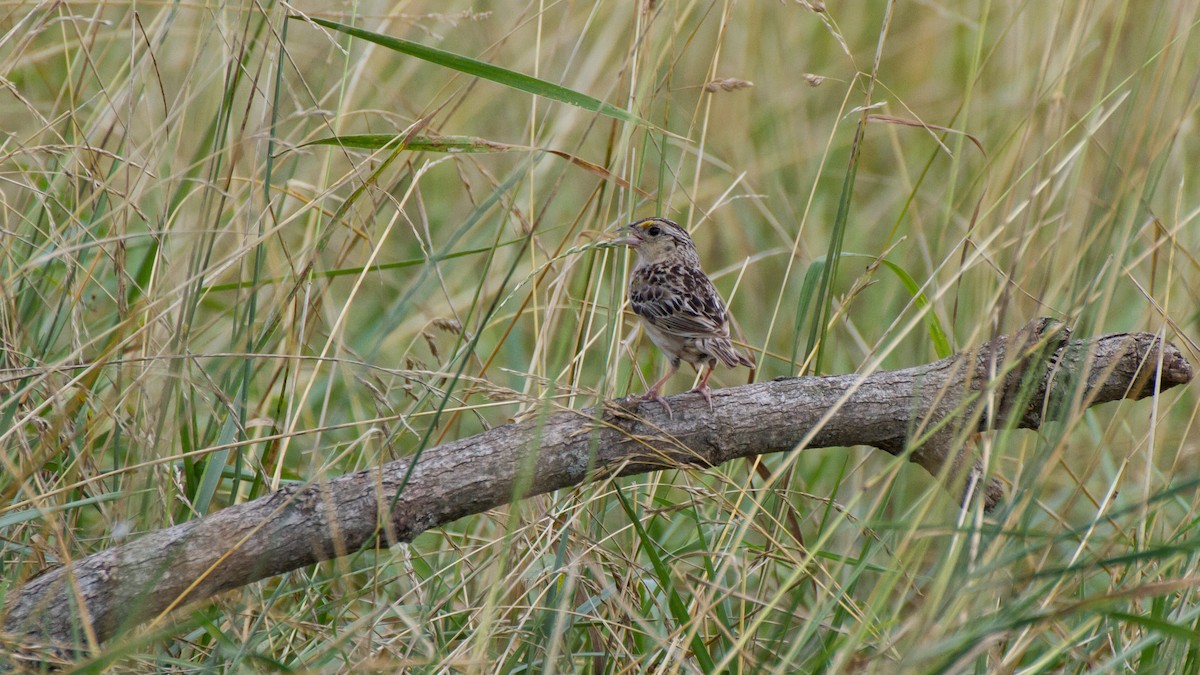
(486, 71)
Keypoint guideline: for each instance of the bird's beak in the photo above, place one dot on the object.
(632, 239)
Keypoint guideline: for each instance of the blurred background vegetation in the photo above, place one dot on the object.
(197, 305)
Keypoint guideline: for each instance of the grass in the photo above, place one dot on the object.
(203, 299)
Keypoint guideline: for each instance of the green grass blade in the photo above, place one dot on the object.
(352, 271)
(941, 343)
(804, 308)
(214, 467)
(453, 144)
(817, 334)
(1166, 628)
(486, 71)
(26, 515)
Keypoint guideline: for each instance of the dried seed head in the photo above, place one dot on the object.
(431, 342)
(728, 84)
(452, 326)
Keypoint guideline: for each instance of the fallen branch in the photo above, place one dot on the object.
(1016, 381)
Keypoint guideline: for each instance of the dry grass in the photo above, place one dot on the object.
(195, 309)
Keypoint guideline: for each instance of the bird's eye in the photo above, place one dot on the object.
(654, 231)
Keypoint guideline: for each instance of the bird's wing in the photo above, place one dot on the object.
(681, 300)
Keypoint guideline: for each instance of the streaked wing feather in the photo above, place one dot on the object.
(681, 300)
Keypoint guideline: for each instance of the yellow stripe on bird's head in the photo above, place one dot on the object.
(660, 240)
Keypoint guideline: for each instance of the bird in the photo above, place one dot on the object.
(678, 305)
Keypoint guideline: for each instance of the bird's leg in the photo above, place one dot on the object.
(653, 393)
(703, 389)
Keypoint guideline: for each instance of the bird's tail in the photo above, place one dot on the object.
(723, 350)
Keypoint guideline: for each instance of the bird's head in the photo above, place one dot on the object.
(659, 240)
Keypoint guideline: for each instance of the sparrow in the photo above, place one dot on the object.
(678, 305)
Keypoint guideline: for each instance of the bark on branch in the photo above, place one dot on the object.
(1020, 380)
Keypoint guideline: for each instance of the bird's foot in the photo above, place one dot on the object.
(653, 395)
(704, 391)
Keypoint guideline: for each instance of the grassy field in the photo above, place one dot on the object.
(199, 304)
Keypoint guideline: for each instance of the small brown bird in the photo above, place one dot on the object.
(681, 309)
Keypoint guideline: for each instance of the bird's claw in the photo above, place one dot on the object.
(704, 391)
(653, 395)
